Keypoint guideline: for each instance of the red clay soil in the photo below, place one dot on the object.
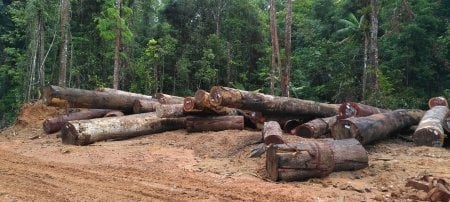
(181, 166)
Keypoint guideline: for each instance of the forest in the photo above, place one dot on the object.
(387, 53)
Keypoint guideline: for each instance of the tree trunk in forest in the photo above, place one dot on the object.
(41, 50)
(302, 160)
(170, 110)
(228, 81)
(143, 106)
(117, 47)
(64, 31)
(267, 104)
(365, 64)
(275, 63)
(54, 124)
(84, 132)
(218, 123)
(125, 93)
(430, 131)
(316, 128)
(437, 101)
(168, 99)
(89, 99)
(272, 133)
(375, 127)
(372, 75)
(286, 70)
(349, 109)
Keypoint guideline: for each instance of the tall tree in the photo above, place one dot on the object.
(63, 48)
(275, 61)
(286, 70)
(372, 77)
(117, 47)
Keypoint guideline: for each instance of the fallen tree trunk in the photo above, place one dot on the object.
(302, 160)
(84, 132)
(316, 128)
(168, 99)
(170, 110)
(144, 106)
(349, 109)
(375, 127)
(203, 101)
(54, 124)
(437, 101)
(218, 123)
(124, 93)
(267, 104)
(447, 123)
(430, 131)
(89, 99)
(290, 125)
(272, 133)
(191, 106)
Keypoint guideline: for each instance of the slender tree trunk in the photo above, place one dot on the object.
(64, 28)
(364, 77)
(117, 46)
(228, 63)
(275, 46)
(286, 71)
(373, 50)
(41, 36)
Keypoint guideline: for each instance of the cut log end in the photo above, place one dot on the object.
(188, 104)
(70, 135)
(348, 109)
(49, 127)
(304, 131)
(344, 129)
(446, 124)
(437, 101)
(290, 125)
(215, 96)
(428, 137)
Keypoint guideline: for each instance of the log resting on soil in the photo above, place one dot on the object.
(302, 160)
(349, 109)
(143, 106)
(375, 127)
(437, 101)
(272, 133)
(192, 107)
(430, 131)
(84, 132)
(218, 123)
(316, 128)
(168, 99)
(267, 104)
(54, 124)
(203, 101)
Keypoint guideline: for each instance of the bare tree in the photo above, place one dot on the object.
(117, 46)
(286, 70)
(372, 78)
(63, 49)
(275, 64)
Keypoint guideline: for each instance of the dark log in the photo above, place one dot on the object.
(170, 110)
(272, 133)
(218, 123)
(349, 109)
(375, 127)
(114, 113)
(430, 131)
(168, 99)
(316, 128)
(203, 101)
(267, 104)
(89, 99)
(302, 160)
(124, 93)
(54, 124)
(144, 106)
(446, 123)
(437, 101)
(84, 132)
(290, 124)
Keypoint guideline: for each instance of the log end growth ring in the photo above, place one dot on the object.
(188, 104)
(437, 101)
(348, 109)
(70, 135)
(428, 137)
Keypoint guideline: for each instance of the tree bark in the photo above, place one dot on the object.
(84, 132)
(372, 75)
(272, 133)
(447, 123)
(267, 104)
(124, 93)
(349, 109)
(286, 71)
(375, 127)
(54, 124)
(275, 64)
(64, 29)
(430, 131)
(218, 123)
(168, 99)
(170, 111)
(316, 128)
(117, 47)
(302, 160)
(437, 101)
(143, 106)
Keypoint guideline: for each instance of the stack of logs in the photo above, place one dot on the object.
(346, 127)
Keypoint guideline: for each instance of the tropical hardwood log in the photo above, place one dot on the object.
(316, 128)
(89, 99)
(168, 99)
(430, 131)
(143, 106)
(203, 101)
(191, 106)
(375, 127)
(114, 113)
(349, 109)
(84, 132)
(54, 124)
(170, 110)
(446, 123)
(302, 160)
(267, 104)
(437, 101)
(217, 123)
(124, 93)
(290, 124)
(56, 102)
(272, 133)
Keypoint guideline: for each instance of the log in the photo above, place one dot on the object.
(218, 123)
(144, 106)
(89, 99)
(375, 127)
(290, 124)
(272, 133)
(54, 124)
(437, 101)
(302, 160)
(267, 104)
(446, 123)
(84, 132)
(190, 106)
(168, 99)
(170, 110)
(203, 101)
(349, 109)
(430, 131)
(316, 128)
(124, 93)
(114, 113)
(56, 102)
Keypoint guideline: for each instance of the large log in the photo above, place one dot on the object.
(54, 124)
(349, 109)
(437, 101)
(203, 101)
(144, 106)
(191, 106)
(446, 123)
(124, 93)
(375, 127)
(84, 132)
(315, 128)
(267, 104)
(302, 160)
(272, 133)
(430, 131)
(170, 110)
(218, 123)
(168, 99)
(89, 99)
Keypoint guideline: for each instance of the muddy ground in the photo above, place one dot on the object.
(177, 166)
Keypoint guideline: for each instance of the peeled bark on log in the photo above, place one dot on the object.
(54, 124)
(316, 128)
(437, 101)
(86, 132)
(349, 109)
(89, 99)
(430, 131)
(446, 123)
(272, 133)
(170, 110)
(203, 101)
(375, 127)
(267, 104)
(124, 93)
(218, 123)
(144, 106)
(302, 160)
(168, 99)
(114, 113)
